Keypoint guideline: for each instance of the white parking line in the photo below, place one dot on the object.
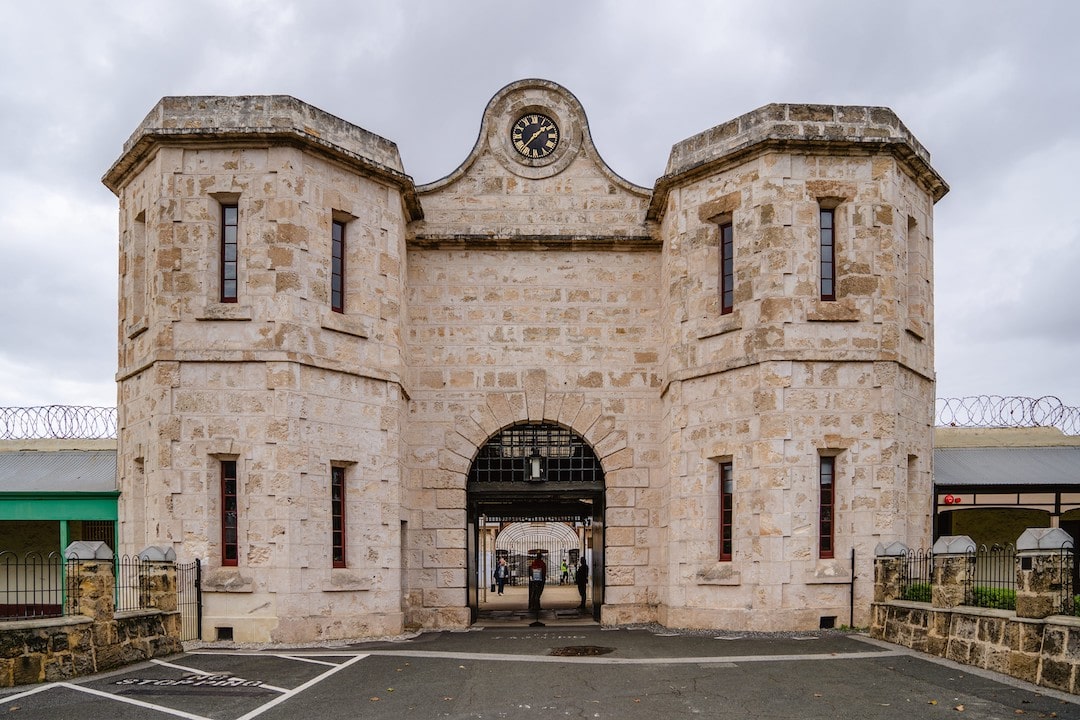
(131, 701)
(305, 659)
(286, 693)
(297, 690)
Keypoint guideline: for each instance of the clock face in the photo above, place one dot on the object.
(535, 136)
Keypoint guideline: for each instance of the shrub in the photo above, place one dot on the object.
(917, 592)
(994, 598)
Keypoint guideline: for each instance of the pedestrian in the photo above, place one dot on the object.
(502, 574)
(565, 573)
(582, 578)
(537, 578)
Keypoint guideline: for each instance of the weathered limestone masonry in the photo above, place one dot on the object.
(522, 288)
(1036, 642)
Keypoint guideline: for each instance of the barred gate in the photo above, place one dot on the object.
(556, 547)
(189, 599)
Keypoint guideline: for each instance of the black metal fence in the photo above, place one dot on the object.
(44, 586)
(37, 586)
(916, 575)
(189, 599)
(991, 577)
(131, 574)
(1070, 592)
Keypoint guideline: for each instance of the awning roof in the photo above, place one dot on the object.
(58, 471)
(1007, 466)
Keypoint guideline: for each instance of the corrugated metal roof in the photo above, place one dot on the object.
(58, 471)
(1007, 466)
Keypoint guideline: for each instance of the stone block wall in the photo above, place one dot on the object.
(787, 377)
(97, 638)
(1032, 643)
(276, 381)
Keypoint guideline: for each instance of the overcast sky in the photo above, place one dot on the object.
(992, 89)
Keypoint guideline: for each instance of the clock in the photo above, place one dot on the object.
(535, 136)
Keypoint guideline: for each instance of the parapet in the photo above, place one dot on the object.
(258, 118)
(827, 128)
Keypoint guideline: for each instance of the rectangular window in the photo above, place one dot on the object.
(337, 269)
(727, 269)
(337, 515)
(727, 484)
(229, 222)
(828, 255)
(827, 484)
(230, 547)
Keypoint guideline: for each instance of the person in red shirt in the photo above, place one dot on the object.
(537, 578)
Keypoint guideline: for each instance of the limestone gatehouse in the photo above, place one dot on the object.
(336, 386)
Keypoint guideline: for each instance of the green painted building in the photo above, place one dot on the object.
(54, 492)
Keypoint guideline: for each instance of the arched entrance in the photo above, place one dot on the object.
(538, 474)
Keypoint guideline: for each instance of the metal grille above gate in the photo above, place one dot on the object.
(534, 453)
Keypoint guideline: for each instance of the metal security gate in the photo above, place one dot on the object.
(557, 548)
(189, 599)
(541, 475)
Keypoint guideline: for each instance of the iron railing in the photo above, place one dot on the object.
(132, 579)
(991, 578)
(1070, 568)
(916, 575)
(37, 586)
(189, 599)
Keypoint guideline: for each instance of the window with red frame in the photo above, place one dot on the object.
(337, 515)
(828, 254)
(337, 268)
(727, 486)
(727, 269)
(230, 546)
(230, 218)
(826, 505)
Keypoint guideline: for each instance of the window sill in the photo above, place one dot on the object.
(720, 573)
(227, 579)
(829, 572)
(712, 327)
(346, 580)
(347, 324)
(136, 328)
(224, 311)
(917, 329)
(833, 311)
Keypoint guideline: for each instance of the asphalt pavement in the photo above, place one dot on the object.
(507, 669)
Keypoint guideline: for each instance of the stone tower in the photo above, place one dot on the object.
(315, 354)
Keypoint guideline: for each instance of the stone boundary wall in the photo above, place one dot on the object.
(1032, 643)
(1045, 651)
(98, 638)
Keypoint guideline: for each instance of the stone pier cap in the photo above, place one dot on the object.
(88, 550)
(953, 545)
(893, 549)
(1044, 540)
(158, 553)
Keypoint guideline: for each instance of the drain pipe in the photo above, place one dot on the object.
(851, 592)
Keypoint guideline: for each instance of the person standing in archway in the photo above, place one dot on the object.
(582, 579)
(502, 574)
(537, 578)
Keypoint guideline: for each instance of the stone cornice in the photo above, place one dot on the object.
(813, 129)
(260, 121)
(535, 242)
